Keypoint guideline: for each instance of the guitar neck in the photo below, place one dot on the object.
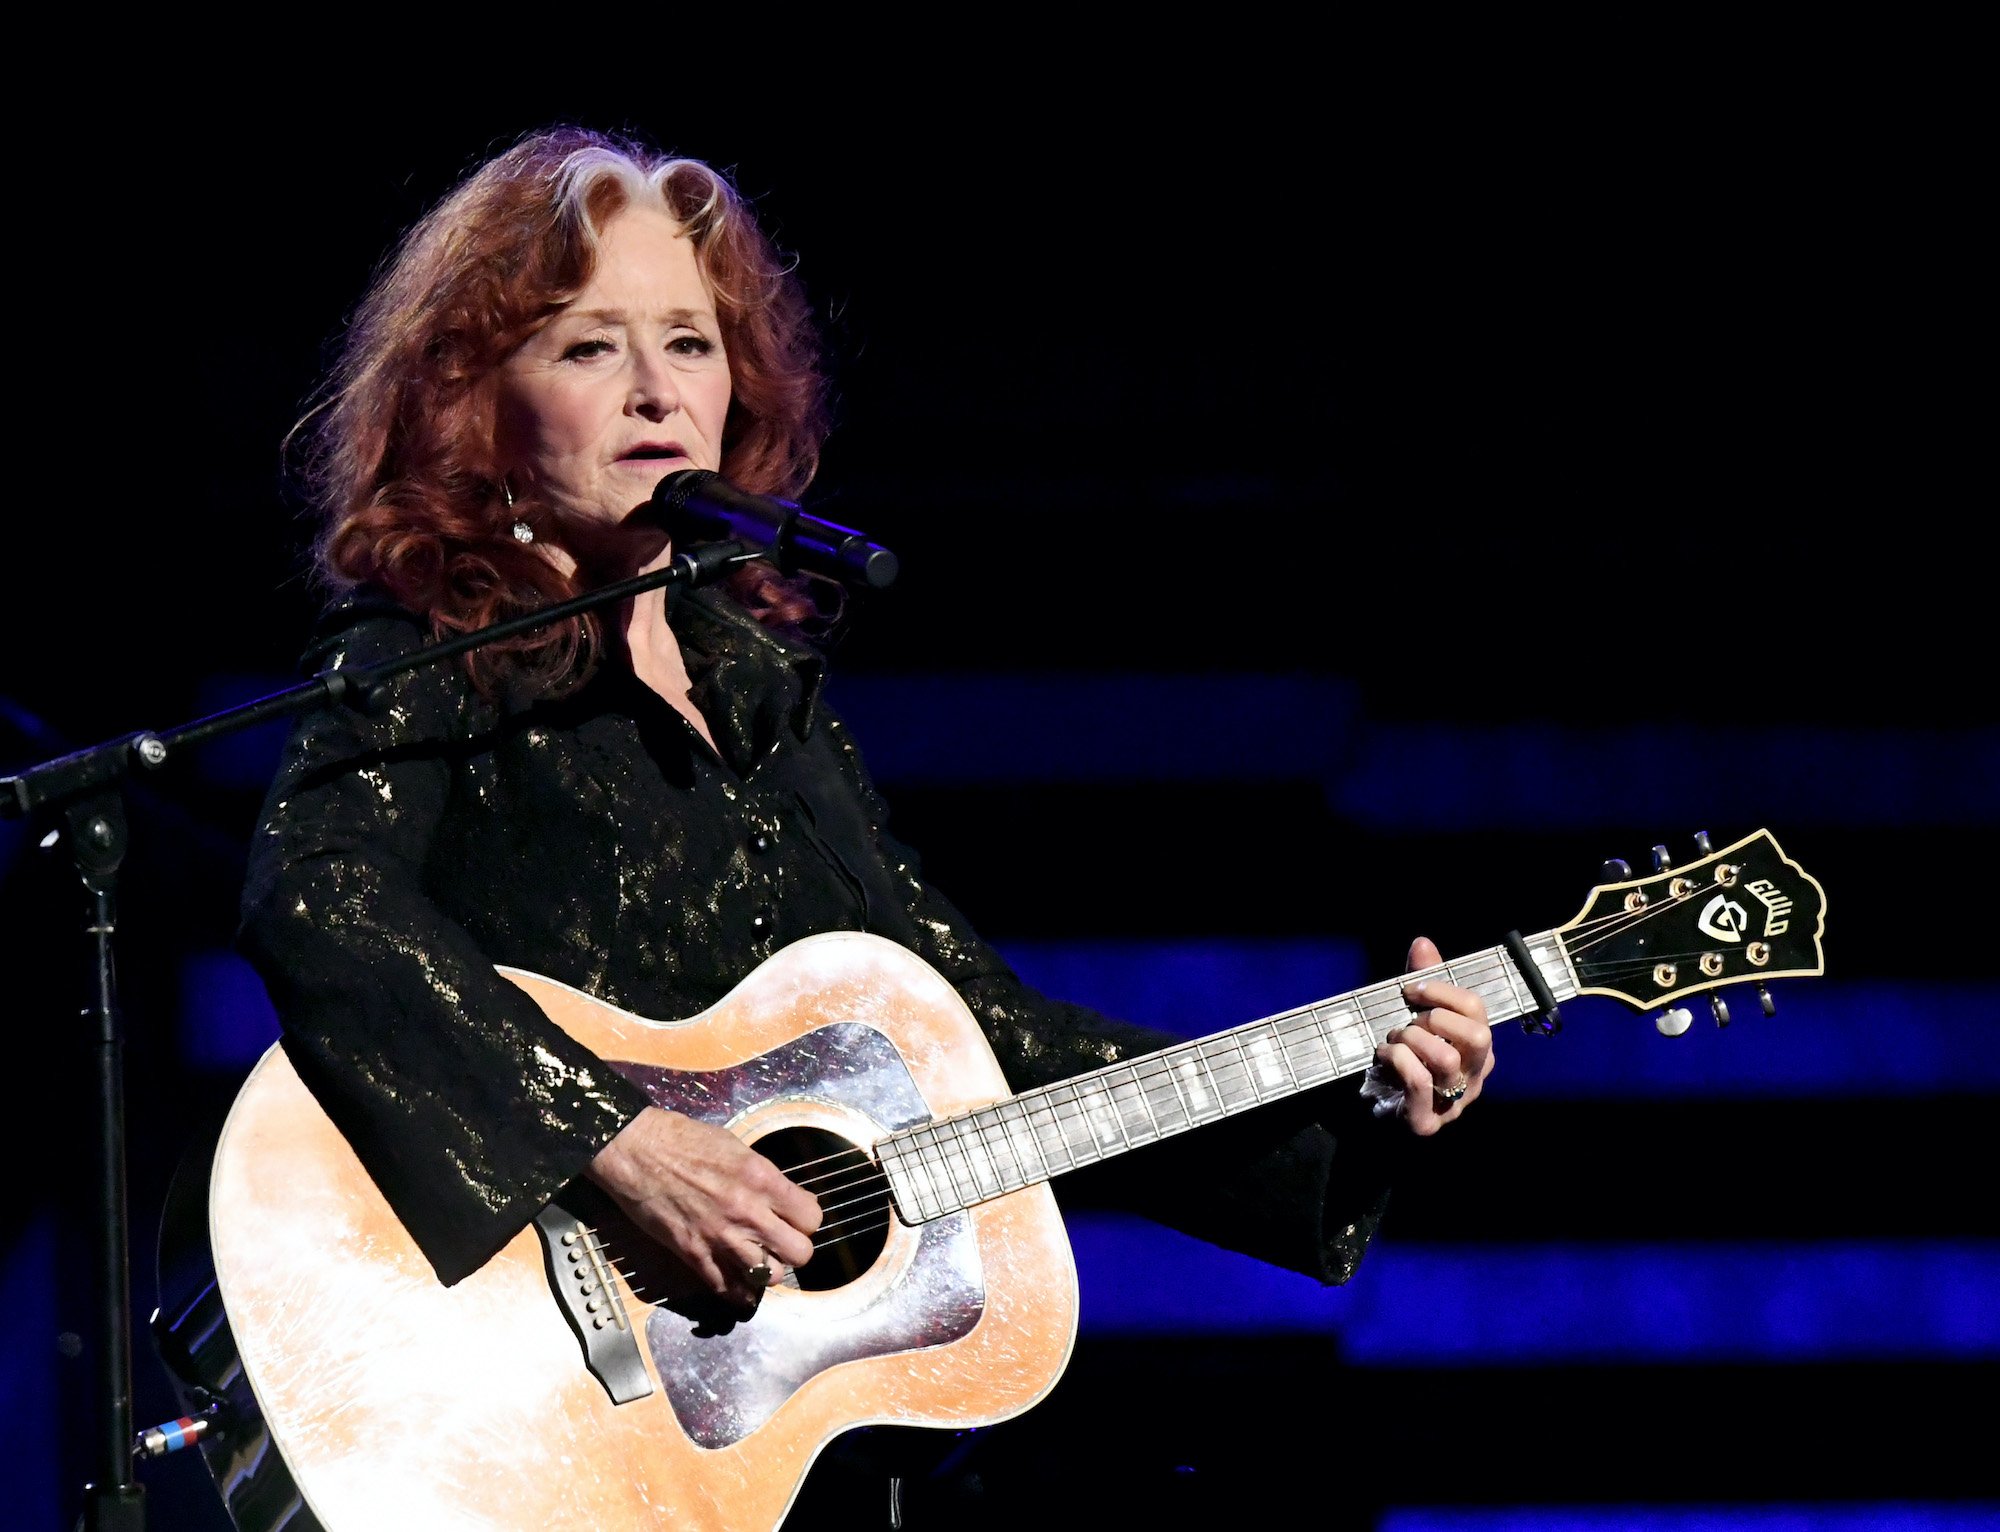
(942, 1167)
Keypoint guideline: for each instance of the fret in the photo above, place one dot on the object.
(1128, 1097)
(1078, 1133)
(1306, 1050)
(912, 1172)
(930, 1162)
(1388, 1008)
(1191, 1074)
(1552, 957)
(1233, 1094)
(902, 1186)
(984, 1156)
(1496, 995)
(1102, 1114)
(1164, 1100)
(1268, 1057)
(1048, 1131)
(954, 1162)
(941, 1167)
(995, 1147)
(1171, 1065)
(1500, 991)
(1519, 1001)
(1349, 1036)
(1463, 979)
(1014, 1123)
(923, 1194)
(1248, 1087)
(977, 1123)
(983, 1151)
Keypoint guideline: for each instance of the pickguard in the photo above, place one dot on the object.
(724, 1383)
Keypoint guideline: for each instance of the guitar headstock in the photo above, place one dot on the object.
(1741, 915)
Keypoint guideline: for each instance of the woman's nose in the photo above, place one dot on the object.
(654, 394)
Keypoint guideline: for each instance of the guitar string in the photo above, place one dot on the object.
(1630, 918)
(864, 1171)
(1373, 1006)
(1651, 907)
(834, 1174)
(1605, 965)
(1150, 1070)
(876, 1218)
(876, 1199)
(954, 1145)
(1588, 967)
(871, 1209)
(877, 1203)
(1155, 1065)
(1571, 933)
(867, 1218)
(1041, 1109)
(1493, 966)
(877, 1193)
(1625, 918)
(1620, 921)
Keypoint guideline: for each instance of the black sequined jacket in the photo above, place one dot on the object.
(598, 839)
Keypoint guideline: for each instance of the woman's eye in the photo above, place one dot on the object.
(690, 345)
(584, 350)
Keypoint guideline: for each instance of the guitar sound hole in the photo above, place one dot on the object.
(853, 1195)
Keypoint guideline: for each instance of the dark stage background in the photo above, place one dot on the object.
(1321, 523)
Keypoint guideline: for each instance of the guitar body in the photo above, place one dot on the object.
(396, 1401)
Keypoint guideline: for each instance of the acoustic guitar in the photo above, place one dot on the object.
(335, 1383)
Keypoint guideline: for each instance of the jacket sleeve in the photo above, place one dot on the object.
(467, 1105)
(1301, 1183)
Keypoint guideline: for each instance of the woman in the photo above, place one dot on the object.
(644, 808)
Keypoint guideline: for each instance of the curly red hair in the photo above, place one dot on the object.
(403, 461)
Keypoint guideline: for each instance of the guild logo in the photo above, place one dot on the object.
(1724, 919)
(1778, 906)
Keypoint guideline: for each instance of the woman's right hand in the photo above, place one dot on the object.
(719, 1206)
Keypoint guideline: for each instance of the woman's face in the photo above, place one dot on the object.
(626, 385)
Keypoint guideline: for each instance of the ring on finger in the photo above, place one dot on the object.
(761, 1274)
(1452, 1092)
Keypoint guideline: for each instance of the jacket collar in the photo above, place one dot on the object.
(750, 683)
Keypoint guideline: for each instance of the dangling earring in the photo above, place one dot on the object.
(523, 533)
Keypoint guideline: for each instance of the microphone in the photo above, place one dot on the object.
(697, 505)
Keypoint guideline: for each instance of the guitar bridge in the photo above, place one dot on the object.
(581, 1278)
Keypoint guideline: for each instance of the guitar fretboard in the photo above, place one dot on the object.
(942, 1167)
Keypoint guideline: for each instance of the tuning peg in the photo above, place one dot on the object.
(1764, 999)
(1673, 1023)
(1721, 1011)
(1701, 843)
(1661, 861)
(1615, 870)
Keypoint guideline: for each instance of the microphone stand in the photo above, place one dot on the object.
(85, 790)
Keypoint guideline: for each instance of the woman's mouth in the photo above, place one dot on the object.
(654, 452)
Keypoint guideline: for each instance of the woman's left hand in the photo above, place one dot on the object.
(1444, 1053)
